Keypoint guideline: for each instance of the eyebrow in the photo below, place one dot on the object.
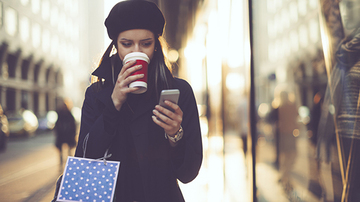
(125, 39)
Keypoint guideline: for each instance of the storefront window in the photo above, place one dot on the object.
(307, 84)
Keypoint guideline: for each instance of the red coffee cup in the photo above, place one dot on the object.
(141, 59)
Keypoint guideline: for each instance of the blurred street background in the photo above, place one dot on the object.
(259, 70)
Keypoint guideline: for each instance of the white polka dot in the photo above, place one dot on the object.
(74, 190)
(66, 192)
(94, 189)
(87, 197)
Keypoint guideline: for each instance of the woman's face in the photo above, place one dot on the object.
(350, 13)
(136, 40)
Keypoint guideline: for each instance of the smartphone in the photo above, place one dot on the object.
(171, 95)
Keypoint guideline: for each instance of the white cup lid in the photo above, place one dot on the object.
(136, 56)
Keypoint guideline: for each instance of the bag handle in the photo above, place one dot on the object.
(106, 155)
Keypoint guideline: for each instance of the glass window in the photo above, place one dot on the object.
(11, 21)
(45, 9)
(54, 45)
(45, 40)
(54, 16)
(1, 14)
(293, 12)
(24, 2)
(24, 28)
(36, 35)
(302, 6)
(307, 101)
(35, 6)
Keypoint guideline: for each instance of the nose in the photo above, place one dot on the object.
(137, 48)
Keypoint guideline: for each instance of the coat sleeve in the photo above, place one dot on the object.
(188, 154)
(97, 122)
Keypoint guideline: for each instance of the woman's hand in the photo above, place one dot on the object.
(121, 88)
(168, 120)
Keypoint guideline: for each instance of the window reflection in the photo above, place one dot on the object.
(339, 126)
(11, 21)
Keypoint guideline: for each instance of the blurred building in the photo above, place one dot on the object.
(45, 51)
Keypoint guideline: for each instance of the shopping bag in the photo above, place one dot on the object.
(88, 180)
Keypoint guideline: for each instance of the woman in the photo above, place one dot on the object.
(131, 126)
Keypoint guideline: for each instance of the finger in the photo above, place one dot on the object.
(175, 115)
(174, 106)
(127, 65)
(165, 119)
(131, 79)
(128, 72)
(161, 124)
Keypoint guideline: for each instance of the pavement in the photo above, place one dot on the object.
(29, 170)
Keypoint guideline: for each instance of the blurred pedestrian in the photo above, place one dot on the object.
(65, 129)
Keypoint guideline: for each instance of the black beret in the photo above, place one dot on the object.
(134, 14)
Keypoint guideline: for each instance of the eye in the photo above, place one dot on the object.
(147, 44)
(126, 44)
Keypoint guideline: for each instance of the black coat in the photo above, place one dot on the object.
(160, 164)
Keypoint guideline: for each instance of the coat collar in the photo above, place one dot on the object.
(105, 69)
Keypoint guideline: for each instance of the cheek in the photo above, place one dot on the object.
(122, 54)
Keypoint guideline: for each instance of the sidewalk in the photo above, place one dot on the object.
(222, 177)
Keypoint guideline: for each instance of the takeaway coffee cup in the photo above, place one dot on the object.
(141, 59)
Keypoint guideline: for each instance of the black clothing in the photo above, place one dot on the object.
(65, 129)
(149, 166)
